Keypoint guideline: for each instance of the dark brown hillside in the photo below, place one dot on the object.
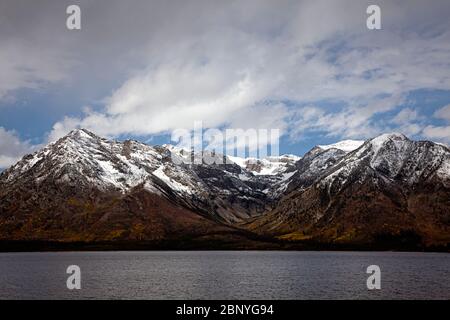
(362, 213)
(65, 213)
(390, 192)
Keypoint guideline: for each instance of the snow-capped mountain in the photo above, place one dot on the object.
(267, 166)
(393, 158)
(83, 187)
(345, 145)
(388, 187)
(81, 158)
(84, 160)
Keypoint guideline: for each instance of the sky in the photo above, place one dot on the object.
(141, 69)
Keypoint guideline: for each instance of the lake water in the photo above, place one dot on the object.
(224, 275)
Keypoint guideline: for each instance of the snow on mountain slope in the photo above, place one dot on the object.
(391, 157)
(444, 169)
(233, 191)
(345, 145)
(83, 158)
(333, 191)
(312, 166)
(314, 163)
(266, 166)
(271, 165)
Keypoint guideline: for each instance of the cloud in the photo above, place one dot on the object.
(443, 113)
(220, 72)
(165, 65)
(21, 70)
(350, 121)
(441, 133)
(408, 121)
(35, 53)
(405, 116)
(12, 148)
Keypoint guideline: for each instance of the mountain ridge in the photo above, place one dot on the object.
(87, 188)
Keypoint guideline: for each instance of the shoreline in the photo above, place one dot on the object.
(11, 246)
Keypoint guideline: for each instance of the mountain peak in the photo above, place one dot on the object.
(80, 137)
(390, 136)
(95, 188)
(80, 133)
(344, 145)
(378, 142)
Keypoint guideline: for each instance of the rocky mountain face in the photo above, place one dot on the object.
(389, 189)
(83, 187)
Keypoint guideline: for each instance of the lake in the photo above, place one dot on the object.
(224, 275)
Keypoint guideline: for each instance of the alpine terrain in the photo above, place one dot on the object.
(388, 191)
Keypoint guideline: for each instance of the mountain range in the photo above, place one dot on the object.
(387, 192)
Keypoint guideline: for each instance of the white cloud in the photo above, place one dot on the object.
(405, 116)
(225, 62)
(222, 72)
(440, 133)
(25, 65)
(443, 113)
(408, 122)
(12, 148)
(352, 121)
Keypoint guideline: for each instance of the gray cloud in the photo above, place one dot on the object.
(440, 132)
(165, 64)
(443, 113)
(12, 148)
